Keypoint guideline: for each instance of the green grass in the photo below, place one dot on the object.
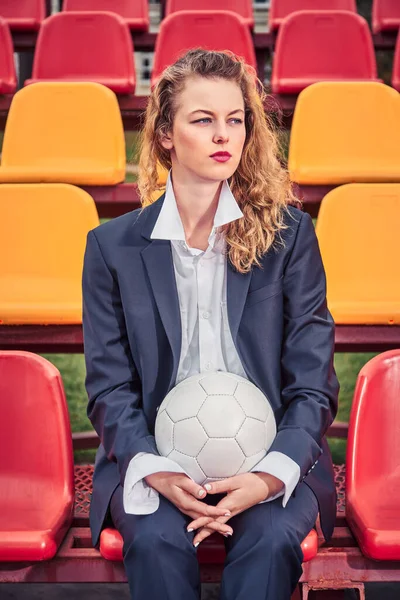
(72, 369)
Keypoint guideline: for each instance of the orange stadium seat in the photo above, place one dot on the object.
(322, 46)
(36, 460)
(345, 132)
(373, 458)
(111, 544)
(23, 15)
(243, 8)
(396, 66)
(8, 76)
(214, 30)
(75, 46)
(279, 9)
(43, 229)
(385, 15)
(358, 233)
(64, 133)
(134, 12)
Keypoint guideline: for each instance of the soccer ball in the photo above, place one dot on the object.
(215, 425)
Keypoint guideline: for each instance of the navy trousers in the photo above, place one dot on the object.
(263, 560)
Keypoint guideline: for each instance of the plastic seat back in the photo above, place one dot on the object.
(213, 30)
(345, 132)
(43, 229)
(385, 15)
(396, 66)
(75, 46)
(8, 76)
(373, 458)
(36, 461)
(23, 15)
(279, 9)
(243, 8)
(64, 132)
(134, 12)
(358, 233)
(322, 46)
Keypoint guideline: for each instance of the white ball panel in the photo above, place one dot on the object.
(221, 416)
(270, 428)
(251, 462)
(252, 436)
(186, 402)
(190, 465)
(220, 458)
(189, 436)
(213, 383)
(253, 401)
(164, 433)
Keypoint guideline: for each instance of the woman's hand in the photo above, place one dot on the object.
(184, 493)
(243, 491)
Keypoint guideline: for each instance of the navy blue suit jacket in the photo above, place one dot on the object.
(280, 325)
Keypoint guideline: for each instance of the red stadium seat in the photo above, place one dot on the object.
(385, 15)
(36, 459)
(213, 30)
(317, 45)
(396, 66)
(134, 12)
(373, 458)
(243, 8)
(76, 46)
(111, 547)
(23, 15)
(8, 77)
(279, 9)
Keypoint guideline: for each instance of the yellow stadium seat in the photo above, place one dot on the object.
(64, 133)
(344, 133)
(358, 233)
(43, 232)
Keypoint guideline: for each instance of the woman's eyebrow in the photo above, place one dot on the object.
(209, 112)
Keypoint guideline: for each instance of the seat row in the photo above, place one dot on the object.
(35, 431)
(73, 133)
(25, 15)
(311, 46)
(43, 230)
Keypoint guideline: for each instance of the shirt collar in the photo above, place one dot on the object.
(169, 224)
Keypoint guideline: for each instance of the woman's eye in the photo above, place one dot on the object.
(203, 120)
(237, 121)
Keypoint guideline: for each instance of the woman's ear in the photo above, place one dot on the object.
(166, 141)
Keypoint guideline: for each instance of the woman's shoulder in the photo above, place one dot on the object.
(293, 219)
(125, 228)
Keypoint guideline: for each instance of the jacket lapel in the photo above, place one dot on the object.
(158, 261)
(237, 286)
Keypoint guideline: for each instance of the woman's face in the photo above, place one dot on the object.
(208, 133)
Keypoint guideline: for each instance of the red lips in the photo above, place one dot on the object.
(221, 155)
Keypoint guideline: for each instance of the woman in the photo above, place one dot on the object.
(220, 273)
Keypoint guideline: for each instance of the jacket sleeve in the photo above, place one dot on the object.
(112, 381)
(309, 385)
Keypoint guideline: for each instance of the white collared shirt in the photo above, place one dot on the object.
(207, 343)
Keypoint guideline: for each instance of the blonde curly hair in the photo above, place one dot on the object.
(260, 185)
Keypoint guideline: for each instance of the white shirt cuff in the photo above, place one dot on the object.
(138, 497)
(284, 468)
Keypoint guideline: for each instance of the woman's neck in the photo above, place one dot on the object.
(197, 205)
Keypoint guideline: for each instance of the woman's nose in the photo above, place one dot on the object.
(220, 135)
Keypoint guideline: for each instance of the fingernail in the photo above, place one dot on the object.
(208, 486)
(189, 530)
(197, 543)
(228, 514)
(201, 493)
